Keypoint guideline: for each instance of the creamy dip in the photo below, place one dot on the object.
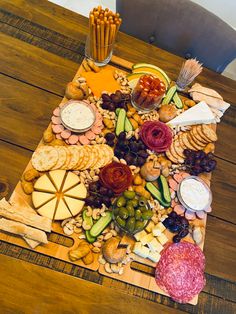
(78, 116)
(194, 194)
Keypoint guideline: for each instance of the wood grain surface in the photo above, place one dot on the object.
(41, 47)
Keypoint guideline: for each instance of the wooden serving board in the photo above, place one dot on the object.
(139, 273)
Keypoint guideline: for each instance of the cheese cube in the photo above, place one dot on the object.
(141, 250)
(154, 256)
(155, 246)
(146, 239)
(158, 229)
(139, 235)
(162, 239)
(150, 226)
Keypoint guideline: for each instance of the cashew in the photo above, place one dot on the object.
(97, 244)
(115, 268)
(68, 231)
(96, 250)
(108, 236)
(101, 260)
(108, 268)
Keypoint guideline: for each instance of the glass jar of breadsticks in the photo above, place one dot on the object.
(103, 29)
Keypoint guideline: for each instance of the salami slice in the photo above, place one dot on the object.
(180, 271)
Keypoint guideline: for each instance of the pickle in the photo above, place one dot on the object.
(130, 224)
(147, 215)
(129, 194)
(138, 214)
(142, 208)
(123, 213)
(121, 201)
(139, 225)
(130, 210)
(120, 221)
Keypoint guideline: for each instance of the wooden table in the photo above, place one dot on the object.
(42, 46)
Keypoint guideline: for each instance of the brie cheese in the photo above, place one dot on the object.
(57, 177)
(48, 209)
(198, 114)
(44, 184)
(71, 180)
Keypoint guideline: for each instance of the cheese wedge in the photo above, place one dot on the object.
(44, 184)
(79, 191)
(48, 209)
(75, 206)
(57, 177)
(40, 198)
(155, 246)
(198, 114)
(62, 211)
(71, 180)
(154, 256)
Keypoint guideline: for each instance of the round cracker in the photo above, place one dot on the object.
(74, 156)
(171, 157)
(101, 157)
(96, 156)
(177, 147)
(85, 161)
(92, 157)
(44, 158)
(186, 142)
(193, 142)
(80, 152)
(68, 158)
(196, 138)
(201, 134)
(108, 153)
(209, 132)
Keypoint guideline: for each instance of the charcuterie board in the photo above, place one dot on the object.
(131, 274)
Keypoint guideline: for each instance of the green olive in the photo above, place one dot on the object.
(142, 208)
(129, 194)
(138, 214)
(116, 210)
(130, 210)
(130, 224)
(123, 213)
(142, 201)
(147, 215)
(135, 202)
(121, 201)
(139, 225)
(120, 221)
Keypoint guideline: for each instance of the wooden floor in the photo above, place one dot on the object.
(42, 46)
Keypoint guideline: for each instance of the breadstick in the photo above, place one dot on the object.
(107, 38)
(103, 56)
(98, 43)
(94, 50)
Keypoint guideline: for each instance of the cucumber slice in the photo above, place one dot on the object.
(169, 95)
(164, 188)
(117, 111)
(120, 124)
(128, 125)
(156, 194)
(89, 222)
(101, 224)
(177, 101)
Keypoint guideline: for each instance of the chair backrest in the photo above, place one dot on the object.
(181, 27)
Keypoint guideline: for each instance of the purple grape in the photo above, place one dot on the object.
(183, 233)
(122, 136)
(103, 190)
(187, 152)
(203, 162)
(110, 136)
(176, 239)
(173, 214)
(212, 164)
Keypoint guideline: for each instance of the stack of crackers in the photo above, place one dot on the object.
(195, 139)
(72, 157)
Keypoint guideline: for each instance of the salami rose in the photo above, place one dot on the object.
(180, 271)
(116, 176)
(156, 135)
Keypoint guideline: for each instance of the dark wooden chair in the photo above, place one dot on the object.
(181, 27)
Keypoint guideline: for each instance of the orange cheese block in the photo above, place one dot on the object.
(101, 81)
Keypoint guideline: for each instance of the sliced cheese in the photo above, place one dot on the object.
(44, 184)
(75, 206)
(140, 234)
(141, 250)
(155, 246)
(154, 256)
(150, 226)
(57, 177)
(48, 209)
(71, 180)
(79, 191)
(40, 198)
(198, 114)
(162, 239)
(62, 211)
(146, 239)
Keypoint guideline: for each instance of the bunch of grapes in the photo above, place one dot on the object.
(98, 195)
(115, 100)
(177, 224)
(110, 138)
(131, 150)
(197, 162)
